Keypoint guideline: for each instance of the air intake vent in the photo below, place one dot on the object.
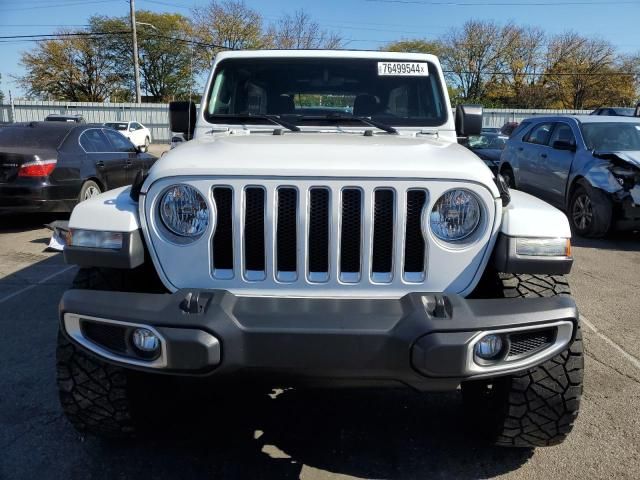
(351, 237)
(383, 221)
(414, 247)
(286, 236)
(527, 343)
(223, 238)
(254, 233)
(110, 337)
(318, 234)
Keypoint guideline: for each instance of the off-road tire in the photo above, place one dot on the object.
(95, 396)
(601, 208)
(538, 407)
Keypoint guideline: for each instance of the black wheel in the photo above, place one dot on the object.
(89, 190)
(509, 177)
(590, 210)
(538, 407)
(95, 396)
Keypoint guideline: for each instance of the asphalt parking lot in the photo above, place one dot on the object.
(313, 435)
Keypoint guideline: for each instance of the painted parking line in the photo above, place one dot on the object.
(37, 284)
(634, 361)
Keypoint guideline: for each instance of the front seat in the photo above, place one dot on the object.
(365, 106)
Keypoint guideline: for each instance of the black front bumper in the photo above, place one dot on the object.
(420, 340)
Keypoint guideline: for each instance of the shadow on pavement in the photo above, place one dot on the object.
(28, 221)
(620, 241)
(394, 434)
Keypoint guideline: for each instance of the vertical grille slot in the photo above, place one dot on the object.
(351, 235)
(414, 247)
(254, 216)
(383, 221)
(318, 246)
(223, 238)
(286, 237)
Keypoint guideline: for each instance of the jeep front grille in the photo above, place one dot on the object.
(318, 233)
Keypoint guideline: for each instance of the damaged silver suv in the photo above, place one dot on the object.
(588, 166)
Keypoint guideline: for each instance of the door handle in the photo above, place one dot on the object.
(129, 162)
(100, 164)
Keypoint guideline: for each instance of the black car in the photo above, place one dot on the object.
(615, 111)
(488, 146)
(54, 117)
(51, 166)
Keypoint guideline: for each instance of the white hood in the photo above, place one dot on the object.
(323, 155)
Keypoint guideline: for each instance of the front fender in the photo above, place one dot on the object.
(113, 211)
(528, 216)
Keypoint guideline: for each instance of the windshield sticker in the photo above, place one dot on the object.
(403, 69)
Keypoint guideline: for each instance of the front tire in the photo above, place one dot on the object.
(590, 211)
(95, 396)
(538, 407)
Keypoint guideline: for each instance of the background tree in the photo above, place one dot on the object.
(585, 73)
(229, 24)
(300, 31)
(167, 66)
(433, 47)
(76, 69)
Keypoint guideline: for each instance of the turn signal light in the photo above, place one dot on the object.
(37, 168)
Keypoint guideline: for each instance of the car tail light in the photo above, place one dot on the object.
(37, 168)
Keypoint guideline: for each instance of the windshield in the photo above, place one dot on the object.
(117, 126)
(309, 90)
(612, 137)
(32, 137)
(488, 141)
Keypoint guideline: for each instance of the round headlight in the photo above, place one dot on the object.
(184, 211)
(455, 215)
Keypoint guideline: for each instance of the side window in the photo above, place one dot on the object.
(519, 129)
(136, 126)
(119, 142)
(563, 133)
(540, 134)
(94, 141)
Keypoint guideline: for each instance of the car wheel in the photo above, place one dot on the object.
(590, 211)
(89, 190)
(147, 142)
(537, 407)
(509, 178)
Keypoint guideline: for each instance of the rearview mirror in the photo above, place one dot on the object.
(468, 120)
(564, 145)
(182, 118)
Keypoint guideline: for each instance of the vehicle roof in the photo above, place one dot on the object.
(326, 54)
(45, 125)
(584, 119)
(65, 115)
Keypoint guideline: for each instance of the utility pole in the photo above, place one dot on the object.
(136, 65)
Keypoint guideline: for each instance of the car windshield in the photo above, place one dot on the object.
(117, 126)
(488, 141)
(32, 137)
(612, 136)
(323, 91)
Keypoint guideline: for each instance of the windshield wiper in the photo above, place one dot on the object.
(365, 120)
(260, 116)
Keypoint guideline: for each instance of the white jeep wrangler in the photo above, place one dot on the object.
(323, 227)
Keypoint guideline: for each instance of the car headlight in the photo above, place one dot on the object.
(455, 216)
(184, 211)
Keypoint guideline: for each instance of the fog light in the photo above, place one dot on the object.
(145, 340)
(489, 347)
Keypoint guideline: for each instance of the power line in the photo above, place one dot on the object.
(509, 3)
(55, 5)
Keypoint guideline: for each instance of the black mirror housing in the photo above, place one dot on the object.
(564, 145)
(468, 120)
(182, 118)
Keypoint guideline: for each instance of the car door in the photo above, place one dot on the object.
(109, 165)
(555, 168)
(126, 153)
(135, 132)
(534, 150)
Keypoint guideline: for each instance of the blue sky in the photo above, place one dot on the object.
(367, 24)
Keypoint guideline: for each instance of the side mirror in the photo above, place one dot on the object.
(468, 120)
(182, 118)
(564, 145)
